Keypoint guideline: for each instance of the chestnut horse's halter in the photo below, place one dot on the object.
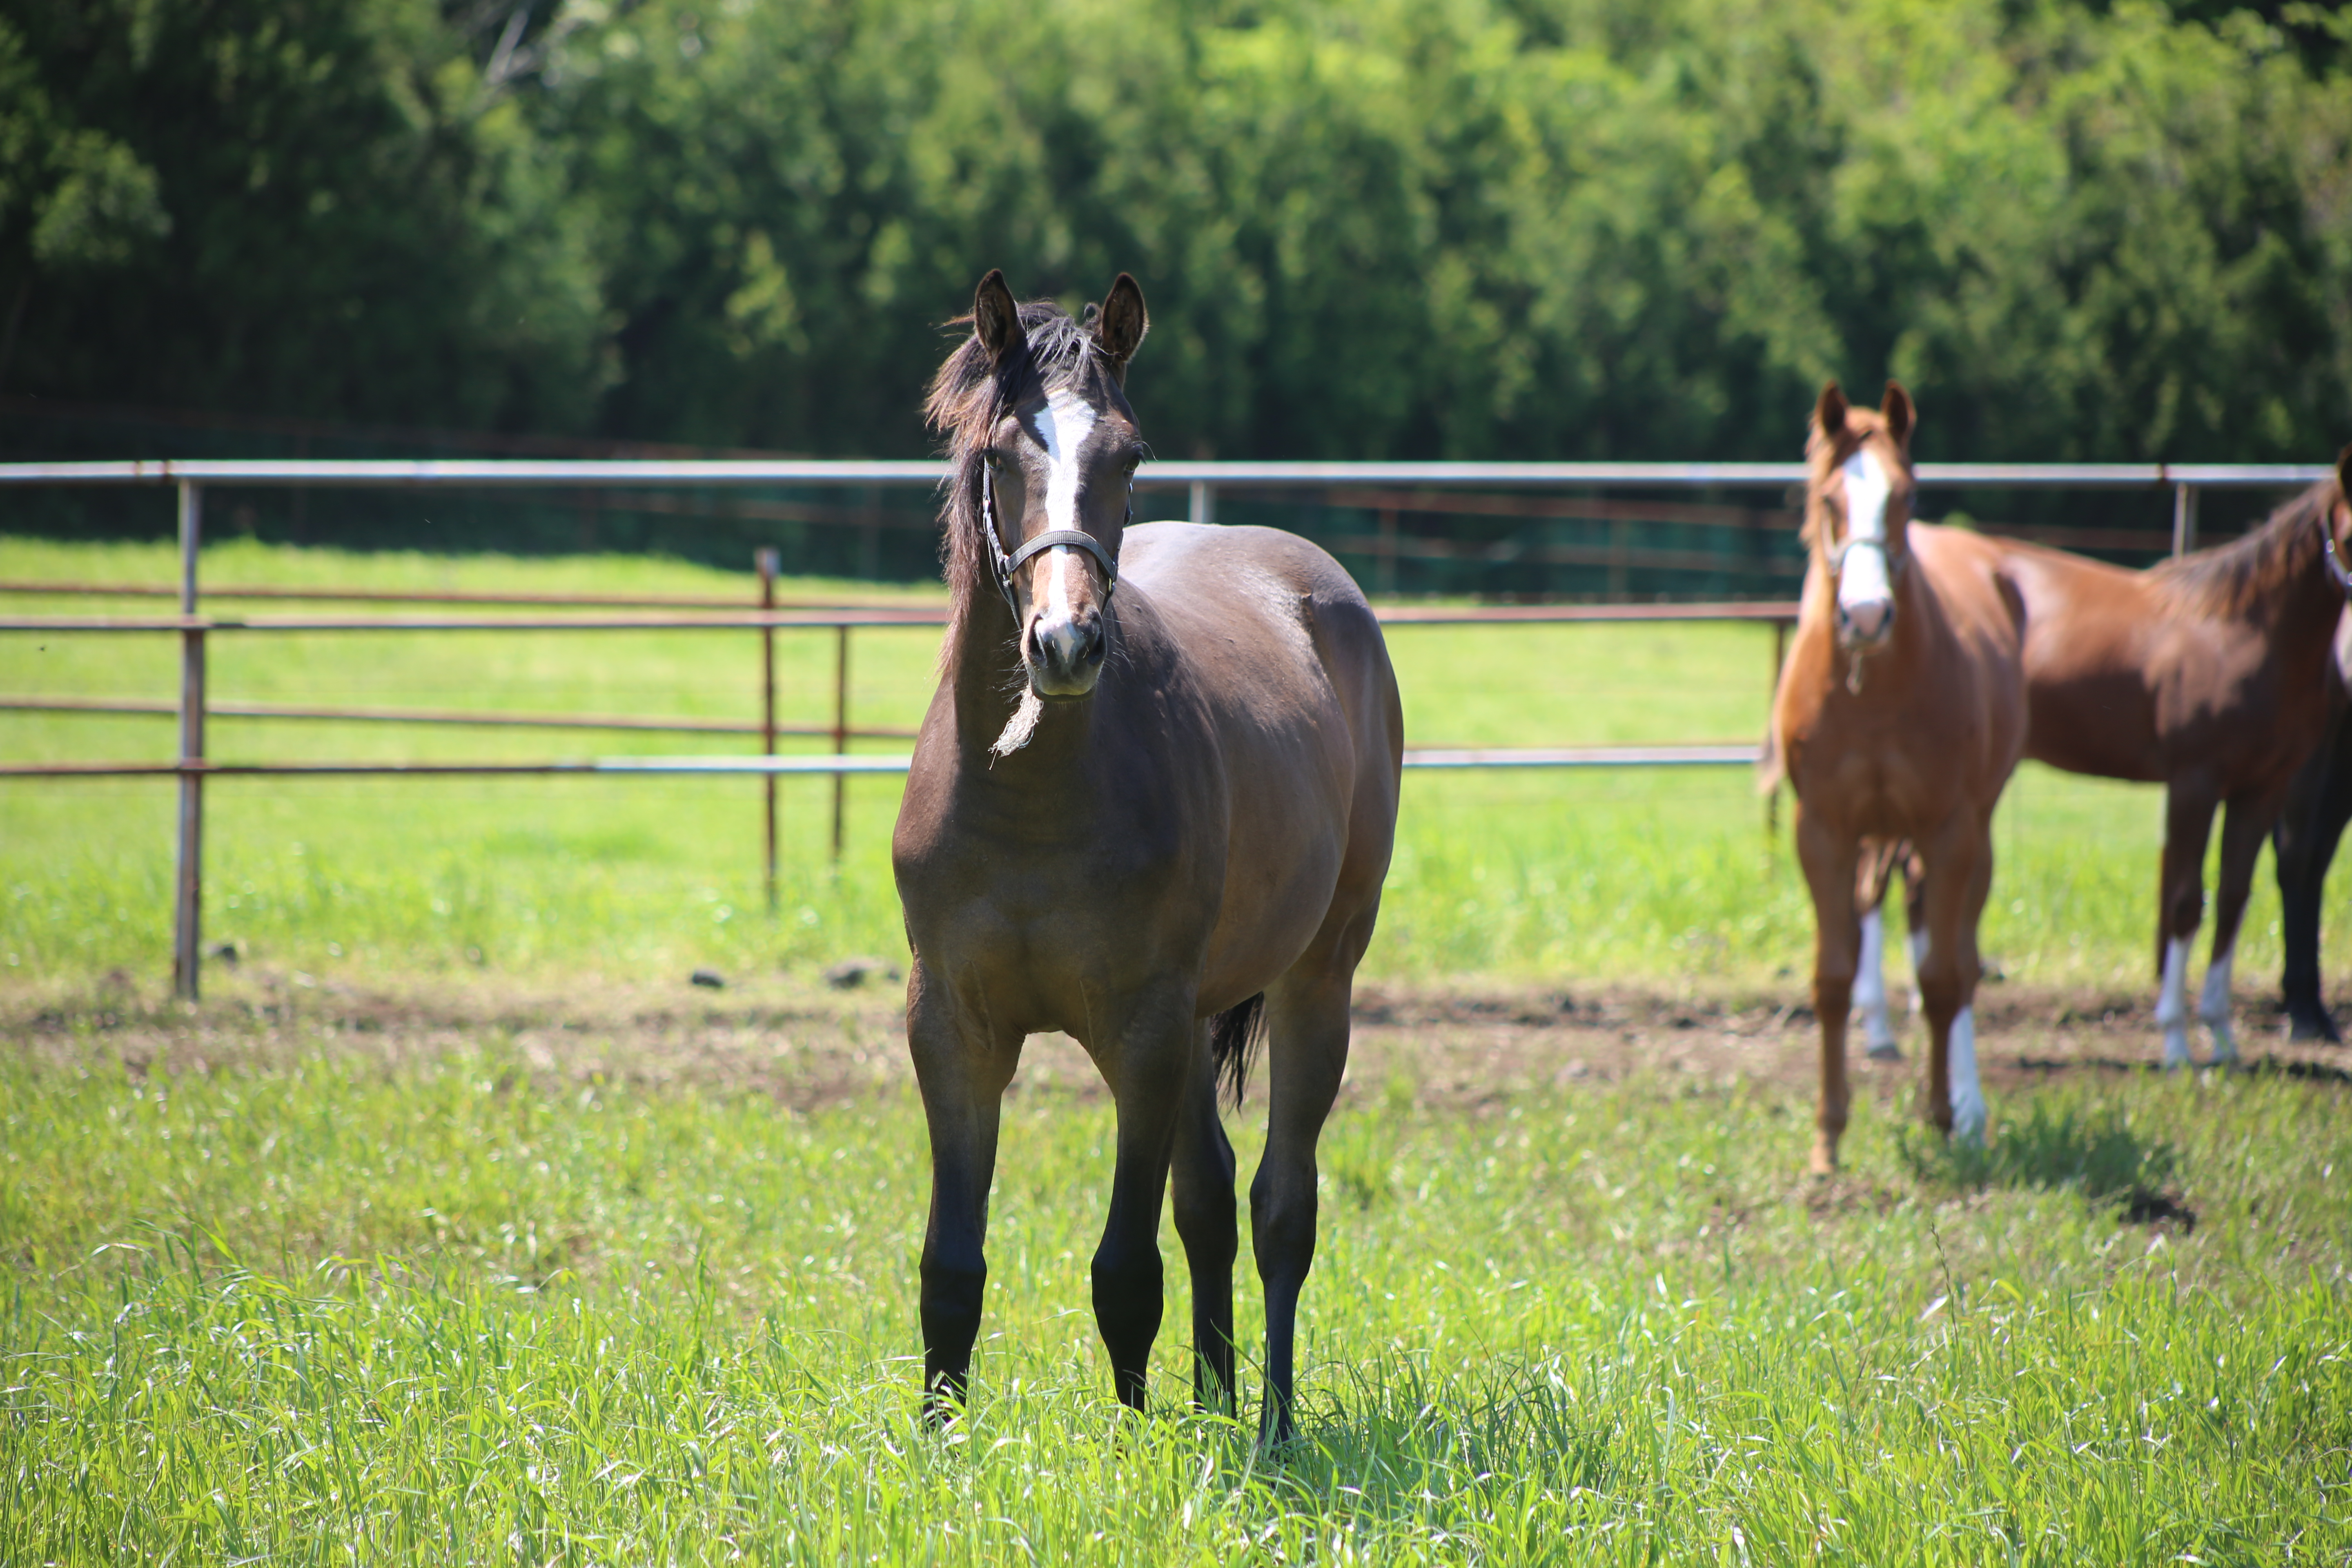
(1077, 539)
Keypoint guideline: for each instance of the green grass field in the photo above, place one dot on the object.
(296, 1278)
(1652, 873)
(467, 1310)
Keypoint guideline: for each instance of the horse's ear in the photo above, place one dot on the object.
(1122, 321)
(1829, 413)
(995, 319)
(1899, 415)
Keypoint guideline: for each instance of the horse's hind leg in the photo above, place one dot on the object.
(1306, 1018)
(1150, 1069)
(2180, 906)
(1203, 1172)
(961, 1068)
(1828, 857)
(1877, 868)
(2244, 826)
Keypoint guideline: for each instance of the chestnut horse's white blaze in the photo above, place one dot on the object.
(1865, 595)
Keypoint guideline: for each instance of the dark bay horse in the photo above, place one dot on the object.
(1899, 716)
(2303, 844)
(1153, 800)
(2208, 675)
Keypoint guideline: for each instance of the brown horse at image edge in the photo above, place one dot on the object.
(1899, 716)
(1152, 801)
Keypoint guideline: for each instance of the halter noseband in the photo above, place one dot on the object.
(1052, 537)
(1837, 554)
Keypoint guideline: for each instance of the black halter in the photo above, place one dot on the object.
(1053, 537)
(2335, 561)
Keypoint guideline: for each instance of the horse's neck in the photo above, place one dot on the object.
(986, 677)
(2313, 603)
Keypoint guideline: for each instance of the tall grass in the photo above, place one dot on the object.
(466, 1308)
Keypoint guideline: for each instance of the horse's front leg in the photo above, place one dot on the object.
(1958, 881)
(961, 1066)
(1149, 1067)
(1827, 857)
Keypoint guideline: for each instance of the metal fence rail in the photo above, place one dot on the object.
(1199, 481)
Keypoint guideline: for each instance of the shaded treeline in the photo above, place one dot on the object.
(1469, 229)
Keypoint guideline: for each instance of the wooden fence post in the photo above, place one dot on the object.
(187, 923)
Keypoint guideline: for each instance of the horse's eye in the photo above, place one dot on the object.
(995, 461)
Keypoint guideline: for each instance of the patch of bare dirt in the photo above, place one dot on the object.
(807, 1044)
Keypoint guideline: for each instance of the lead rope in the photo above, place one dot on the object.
(1835, 560)
(1023, 722)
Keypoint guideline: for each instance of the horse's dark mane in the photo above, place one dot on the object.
(2234, 579)
(968, 397)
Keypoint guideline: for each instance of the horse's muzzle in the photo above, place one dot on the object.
(1866, 622)
(1064, 653)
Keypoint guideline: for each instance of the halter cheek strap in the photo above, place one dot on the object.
(1052, 539)
(2335, 561)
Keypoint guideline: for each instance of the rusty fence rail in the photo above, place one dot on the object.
(1405, 483)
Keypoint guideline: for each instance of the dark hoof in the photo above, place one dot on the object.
(2312, 1025)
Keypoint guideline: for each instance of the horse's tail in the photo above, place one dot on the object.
(1234, 1037)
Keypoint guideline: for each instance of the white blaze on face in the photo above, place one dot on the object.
(1062, 427)
(1861, 578)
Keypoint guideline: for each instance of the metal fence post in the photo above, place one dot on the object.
(187, 924)
(1202, 502)
(2184, 520)
(765, 562)
(840, 726)
(1772, 695)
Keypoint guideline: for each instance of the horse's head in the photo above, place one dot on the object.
(1054, 451)
(1857, 503)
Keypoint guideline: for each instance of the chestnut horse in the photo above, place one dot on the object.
(1152, 801)
(2208, 675)
(1899, 715)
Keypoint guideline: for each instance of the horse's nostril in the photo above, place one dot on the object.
(1868, 620)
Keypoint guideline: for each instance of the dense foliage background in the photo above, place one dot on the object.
(1533, 229)
(1555, 228)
